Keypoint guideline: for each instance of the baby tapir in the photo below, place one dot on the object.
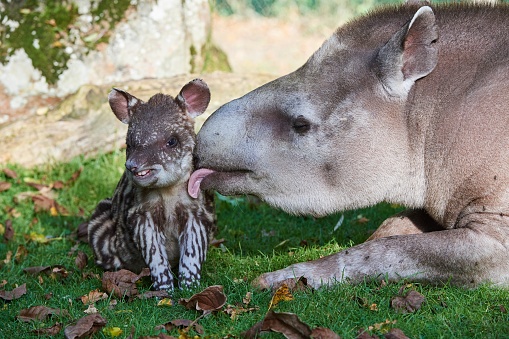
(151, 220)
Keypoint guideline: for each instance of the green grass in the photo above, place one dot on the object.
(257, 239)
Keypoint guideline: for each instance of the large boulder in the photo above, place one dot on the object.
(155, 39)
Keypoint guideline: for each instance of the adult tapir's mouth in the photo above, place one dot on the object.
(214, 178)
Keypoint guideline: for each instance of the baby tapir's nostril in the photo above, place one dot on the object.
(131, 165)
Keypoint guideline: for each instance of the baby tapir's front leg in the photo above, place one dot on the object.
(151, 243)
(193, 242)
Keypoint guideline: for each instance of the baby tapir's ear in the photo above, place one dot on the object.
(121, 104)
(194, 97)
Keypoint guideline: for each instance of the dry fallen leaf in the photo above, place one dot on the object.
(395, 333)
(36, 237)
(112, 331)
(366, 304)
(154, 294)
(16, 293)
(323, 333)
(85, 327)
(35, 270)
(365, 335)
(55, 272)
(9, 230)
(161, 336)
(8, 257)
(383, 326)
(247, 299)
(58, 185)
(184, 324)
(75, 176)
(409, 303)
(287, 324)
(210, 299)
(235, 310)
(93, 297)
(91, 309)
(81, 260)
(10, 173)
(281, 294)
(165, 302)
(53, 330)
(43, 203)
(362, 220)
(4, 186)
(123, 282)
(21, 253)
(39, 313)
(217, 242)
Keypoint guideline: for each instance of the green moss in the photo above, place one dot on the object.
(45, 28)
(215, 59)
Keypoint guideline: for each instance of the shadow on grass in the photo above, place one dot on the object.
(251, 227)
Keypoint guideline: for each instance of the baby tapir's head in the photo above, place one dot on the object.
(160, 137)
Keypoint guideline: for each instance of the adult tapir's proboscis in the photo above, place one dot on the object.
(407, 105)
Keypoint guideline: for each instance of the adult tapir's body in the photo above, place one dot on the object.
(407, 105)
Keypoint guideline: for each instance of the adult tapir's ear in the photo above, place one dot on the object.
(410, 54)
(122, 103)
(194, 97)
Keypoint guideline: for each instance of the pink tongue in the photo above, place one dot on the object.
(193, 186)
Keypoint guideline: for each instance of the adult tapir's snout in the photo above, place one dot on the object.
(218, 137)
(226, 150)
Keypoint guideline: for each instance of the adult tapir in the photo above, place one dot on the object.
(408, 105)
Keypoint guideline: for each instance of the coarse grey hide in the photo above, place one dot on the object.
(407, 105)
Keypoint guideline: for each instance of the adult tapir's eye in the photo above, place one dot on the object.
(172, 142)
(301, 125)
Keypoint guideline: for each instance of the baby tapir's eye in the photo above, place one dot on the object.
(172, 142)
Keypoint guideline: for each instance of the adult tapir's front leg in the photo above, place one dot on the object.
(466, 256)
(193, 244)
(151, 242)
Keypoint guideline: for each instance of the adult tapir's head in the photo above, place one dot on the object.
(330, 135)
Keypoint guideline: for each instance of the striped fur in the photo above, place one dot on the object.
(151, 221)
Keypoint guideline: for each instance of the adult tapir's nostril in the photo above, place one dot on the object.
(131, 165)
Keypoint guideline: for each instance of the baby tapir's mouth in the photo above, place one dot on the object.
(143, 173)
(145, 176)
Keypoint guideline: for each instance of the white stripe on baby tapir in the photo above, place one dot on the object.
(193, 242)
(153, 243)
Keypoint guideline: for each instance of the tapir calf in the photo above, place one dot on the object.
(408, 105)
